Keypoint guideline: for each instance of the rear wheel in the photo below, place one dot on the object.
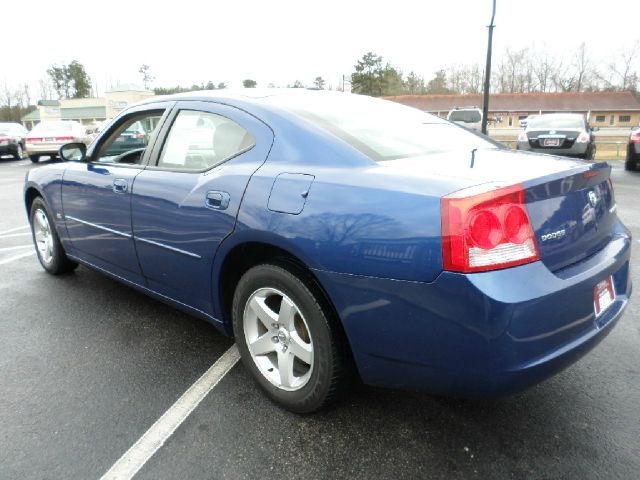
(34, 158)
(19, 153)
(631, 165)
(289, 342)
(45, 238)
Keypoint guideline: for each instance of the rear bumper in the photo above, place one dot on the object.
(47, 149)
(576, 150)
(482, 334)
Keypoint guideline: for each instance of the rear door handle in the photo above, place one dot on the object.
(120, 185)
(217, 200)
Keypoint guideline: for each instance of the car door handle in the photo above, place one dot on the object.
(217, 200)
(120, 185)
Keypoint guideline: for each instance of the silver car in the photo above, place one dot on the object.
(567, 134)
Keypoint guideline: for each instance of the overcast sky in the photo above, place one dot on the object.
(186, 41)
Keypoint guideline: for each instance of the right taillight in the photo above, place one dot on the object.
(522, 137)
(486, 231)
(635, 137)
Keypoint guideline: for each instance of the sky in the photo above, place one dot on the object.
(186, 41)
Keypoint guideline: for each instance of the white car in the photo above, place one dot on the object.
(468, 117)
(46, 138)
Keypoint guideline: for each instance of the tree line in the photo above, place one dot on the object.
(526, 70)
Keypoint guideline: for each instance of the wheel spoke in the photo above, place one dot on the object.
(302, 350)
(287, 312)
(267, 316)
(42, 220)
(285, 368)
(263, 344)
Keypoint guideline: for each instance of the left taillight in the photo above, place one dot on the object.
(635, 137)
(486, 231)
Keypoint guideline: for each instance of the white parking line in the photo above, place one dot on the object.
(141, 451)
(18, 247)
(24, 227)
(16, 257)
(15, 235)
(21, 164)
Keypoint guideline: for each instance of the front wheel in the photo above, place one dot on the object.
(45, 238)
(288, 339)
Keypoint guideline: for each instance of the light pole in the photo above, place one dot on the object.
(487, 74)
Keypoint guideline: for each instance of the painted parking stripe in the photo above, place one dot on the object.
(18, 247)
(16, 257)
(11, 230)
(141, 451)
(11, 235)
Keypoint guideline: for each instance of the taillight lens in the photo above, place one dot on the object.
(65, 139)
(486, 231)
(522, 137)
(635, 137)
(4, 139)
(583, 138)
(34, 139)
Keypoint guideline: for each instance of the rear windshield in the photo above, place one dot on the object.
(53, 127)
(382, 130)
(557, 122)
(467, 116)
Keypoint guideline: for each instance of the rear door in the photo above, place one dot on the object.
(96, 195)
(186, 201)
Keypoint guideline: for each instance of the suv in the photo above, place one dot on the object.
(12, 139)
(468, 117)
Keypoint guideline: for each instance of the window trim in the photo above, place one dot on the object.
(159, 148)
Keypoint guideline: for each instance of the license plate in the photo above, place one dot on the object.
(603, 295)
(49, 139)
(551, 142)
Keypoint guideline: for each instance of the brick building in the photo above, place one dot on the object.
(604, 109)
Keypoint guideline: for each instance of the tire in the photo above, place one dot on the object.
(34, 158)
(630, 165)
(303, 337)
(19, 153)
(46, 241)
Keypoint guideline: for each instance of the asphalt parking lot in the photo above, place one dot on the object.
(87, 365)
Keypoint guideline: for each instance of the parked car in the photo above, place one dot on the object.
(12, 137)
(633, 150)
(525, 121)
(567, 134)
(468, 117)
(46, 138)
(327, 231)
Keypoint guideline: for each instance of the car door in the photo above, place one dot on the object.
(96, 194)
(186, 201)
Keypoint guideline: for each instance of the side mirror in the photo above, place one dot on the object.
(73, 152)
(595, 129)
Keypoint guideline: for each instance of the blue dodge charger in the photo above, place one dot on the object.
(336, 235)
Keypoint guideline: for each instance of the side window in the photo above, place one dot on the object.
(198, 141)
(130, 138)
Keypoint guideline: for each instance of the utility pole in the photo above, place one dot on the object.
(487, 73)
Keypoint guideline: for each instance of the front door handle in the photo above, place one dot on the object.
(217, 200)
(120, 185)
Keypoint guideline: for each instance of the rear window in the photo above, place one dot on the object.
(382, 130)
(556, 122)
(467, 116)
(53, 127)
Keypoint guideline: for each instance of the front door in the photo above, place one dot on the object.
(96, 195)
(186, 201)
